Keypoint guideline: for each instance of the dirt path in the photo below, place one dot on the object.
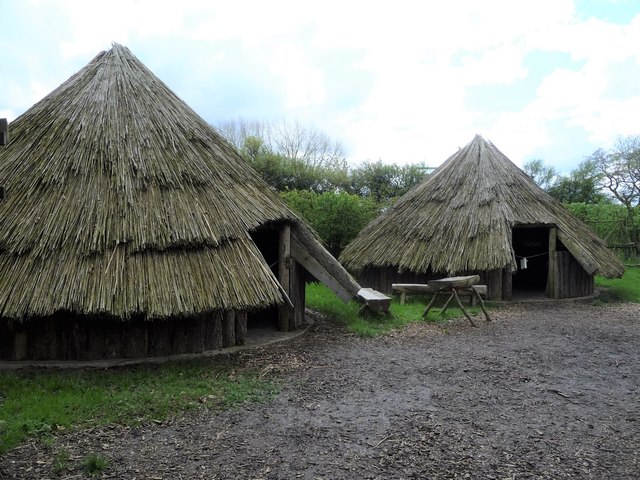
(546, 391)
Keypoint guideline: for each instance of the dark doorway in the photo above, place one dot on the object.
(531, 248)
(267, 240)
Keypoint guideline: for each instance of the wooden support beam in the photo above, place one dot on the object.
(330, 265)
(304, 258)
(241, 328)
(4, 132)
(284, 260)
(552, 270)
(229, 329)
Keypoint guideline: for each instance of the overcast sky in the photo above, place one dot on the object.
(401, 81)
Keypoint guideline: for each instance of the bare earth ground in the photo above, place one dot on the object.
(545, 391)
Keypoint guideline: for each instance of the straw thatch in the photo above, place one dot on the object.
(122, 200)
(460, 219)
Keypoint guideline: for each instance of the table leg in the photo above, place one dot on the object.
(433, 299)
(446, 305)
(462, 308)
(484, 310)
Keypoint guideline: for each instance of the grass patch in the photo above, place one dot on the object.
(322, 299)
(94, 464)
(40, 403)
(60, 462)
(625, 289)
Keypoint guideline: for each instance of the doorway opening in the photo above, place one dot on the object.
(267, 240)
(531, 248)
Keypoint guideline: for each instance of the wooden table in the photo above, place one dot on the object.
(451, 286)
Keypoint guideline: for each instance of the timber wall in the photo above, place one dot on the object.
(73, 337)
(570, 279)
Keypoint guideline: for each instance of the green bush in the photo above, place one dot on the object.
(336, 216)
(607, 220)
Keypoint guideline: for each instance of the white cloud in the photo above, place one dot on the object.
(417, 61)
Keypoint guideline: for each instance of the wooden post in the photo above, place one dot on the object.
(551, 290)
(229, 329)
(241, 328)
(284, 253)
(4, 132)
(494, 284)
(297, 283)
(507, 283)
(217, 330)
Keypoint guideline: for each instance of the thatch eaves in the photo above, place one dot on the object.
(121, 200)
(460, 219)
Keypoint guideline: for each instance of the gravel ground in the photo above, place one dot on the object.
(545, 391)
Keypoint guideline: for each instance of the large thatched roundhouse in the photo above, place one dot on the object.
(479, 213)
(130, 228)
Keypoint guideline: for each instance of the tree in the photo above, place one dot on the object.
(619, 173)
(313, 147)
(291, 140)
(580, 186)
(385, 182)
(337, 216)
(289, 156)
(619, 170)
(544, 175)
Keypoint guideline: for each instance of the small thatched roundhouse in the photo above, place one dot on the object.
(130, 228)
(479, 213)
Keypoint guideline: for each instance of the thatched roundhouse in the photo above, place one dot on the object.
(130, 228)
(479, 213)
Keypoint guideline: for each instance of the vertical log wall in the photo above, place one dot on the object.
(75, 337)
(570, 279)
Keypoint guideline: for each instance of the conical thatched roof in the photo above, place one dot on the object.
(460, 219)
(122, 200)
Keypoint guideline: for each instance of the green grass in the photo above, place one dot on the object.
(60, 462)
(625, 289)
(40, 403)
(94, 464)
(320, 298)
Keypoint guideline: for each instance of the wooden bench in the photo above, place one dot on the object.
(374, 301)
(404, 289)
(452, 286)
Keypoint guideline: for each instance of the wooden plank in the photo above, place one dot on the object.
(298, 281)
(229, 329)
(180, 337)
(241, 328)
(507, 284)
(413, 288)
(457, 282)
(374, 300)
(217, 330)
(20, 346)
(330, 265)
(421, 288)
(284, 254)
(494, 284)
(552, 271)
